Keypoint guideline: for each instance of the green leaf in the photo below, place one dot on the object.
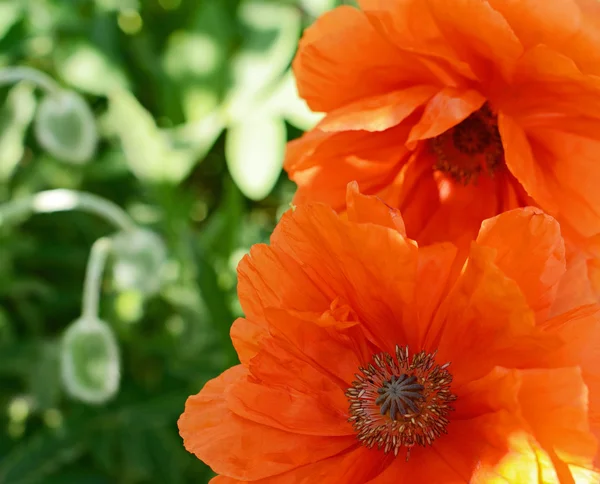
(254, 150)
(40, 456)
(117, 5)
(286, 102)
(15, 117)
(18, 358)
(317, 7)
(270, 40)
(10, 13)
(87, 68)
(215, 301)
(151, 153)
(137, 461)
(196, 60)
(199, 136)
(104, 449)
(65, 127)
(78, 476)
(44, 379)
(164, 449)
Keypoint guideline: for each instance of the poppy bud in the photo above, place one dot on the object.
(140, 257)
(65, 127)
(90, 365)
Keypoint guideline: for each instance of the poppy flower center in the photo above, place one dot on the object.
(397, 402)
(470, 148)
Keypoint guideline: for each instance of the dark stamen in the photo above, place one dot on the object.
(471, 148)
(398, 402)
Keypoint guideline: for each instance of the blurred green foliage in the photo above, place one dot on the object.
(178, 111)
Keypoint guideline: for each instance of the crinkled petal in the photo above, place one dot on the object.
(378, 113)
(322, 163)
(445, 110)
(355, 466)
(369, 209)
(523, 165)
(530, 251)
(494, 392)
(571, 161)
(485, 321)
(340, 51)
(453, 458)
(526, 461)
(480, 35)
(415, 193)
(268, 277)
(437, 268)
(240, 448)
(372, 268)
(555, 405)
(335, 352)
(545, 83)
(457, 218)
(580, 331)
(570, 27)
(287, 409)
(224, 480)
(409, 25)
(575, 288)
(246, 337)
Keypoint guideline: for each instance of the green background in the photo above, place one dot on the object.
(193, 101)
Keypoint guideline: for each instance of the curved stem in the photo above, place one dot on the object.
(93, 279)
(9, 75)
(60, 200)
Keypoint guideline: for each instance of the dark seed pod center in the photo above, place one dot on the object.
(400, 395)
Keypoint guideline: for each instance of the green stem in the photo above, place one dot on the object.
(10, 75)
(61, 200)
(93, 279)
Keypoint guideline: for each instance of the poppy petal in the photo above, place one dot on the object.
(453, 459)
(526, 461)
(255, 401)
(554, 403)
(575, 288)
(268, 277)
(492, 46)
(485, 321)
(331, 67)
(224, 480)
(355, 466)
(218, 436)
(368, 209)
(575, 184)
(521, 162)
(536, 258)
(456, 218)
(436, 271)
(410, 26)
(580, 331)
(445, 110)
(567, 26)
(372, 268)
(323, 163)
(378, 113)
(246, 337)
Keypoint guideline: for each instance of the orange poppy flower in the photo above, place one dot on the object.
(366, 359)
(454, 111)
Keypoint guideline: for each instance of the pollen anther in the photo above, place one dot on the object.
(471, 148)
(398, 402)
